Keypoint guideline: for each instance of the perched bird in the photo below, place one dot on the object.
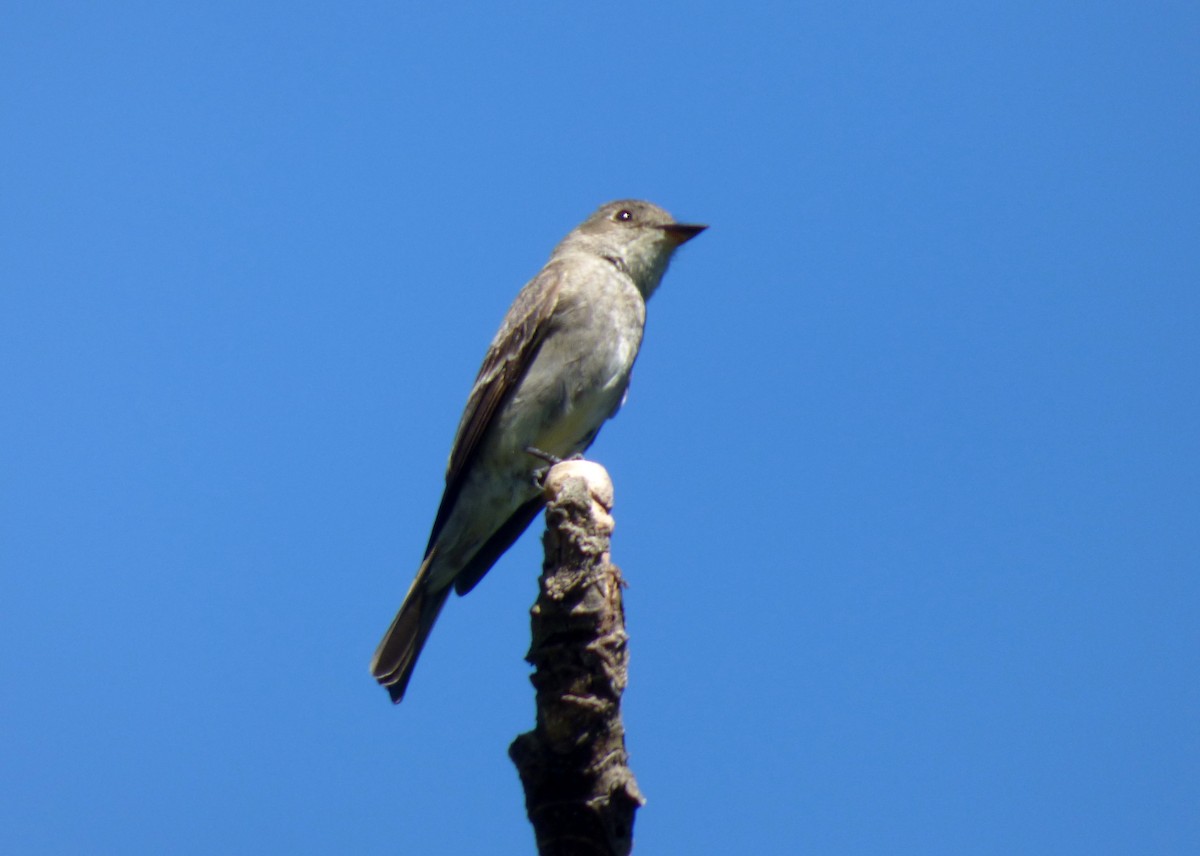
(558, 368)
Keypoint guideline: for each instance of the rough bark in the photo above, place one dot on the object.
(580, 794)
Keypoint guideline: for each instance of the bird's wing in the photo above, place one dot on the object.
(506, 362)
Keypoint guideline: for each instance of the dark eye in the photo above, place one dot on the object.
(623, 214)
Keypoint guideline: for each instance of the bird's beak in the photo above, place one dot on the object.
(681, 233)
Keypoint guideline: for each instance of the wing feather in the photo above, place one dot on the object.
(508, 358)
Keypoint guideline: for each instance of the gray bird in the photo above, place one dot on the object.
(558, 368)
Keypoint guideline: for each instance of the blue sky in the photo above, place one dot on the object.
(907, 482)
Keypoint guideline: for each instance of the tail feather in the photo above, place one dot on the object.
(397, 654)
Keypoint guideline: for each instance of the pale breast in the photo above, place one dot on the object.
(580, 374)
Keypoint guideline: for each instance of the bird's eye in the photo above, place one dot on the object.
(624, 214)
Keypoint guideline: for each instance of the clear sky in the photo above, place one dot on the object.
(908, 481)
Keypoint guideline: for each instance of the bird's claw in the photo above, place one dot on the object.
(539, 474)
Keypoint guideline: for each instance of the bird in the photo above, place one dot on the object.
(558, 368)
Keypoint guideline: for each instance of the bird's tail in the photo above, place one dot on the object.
(397, 654)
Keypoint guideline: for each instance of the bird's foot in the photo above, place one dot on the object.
(543, 456)
(539, 474)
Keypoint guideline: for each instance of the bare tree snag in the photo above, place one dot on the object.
(580, 794)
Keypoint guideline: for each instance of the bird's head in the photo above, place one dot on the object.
(638, 237)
